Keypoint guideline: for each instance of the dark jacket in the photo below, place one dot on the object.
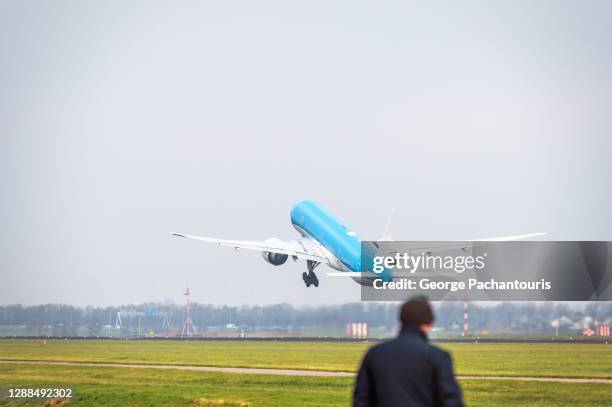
(407, 371)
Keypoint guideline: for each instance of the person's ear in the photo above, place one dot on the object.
(426, 328)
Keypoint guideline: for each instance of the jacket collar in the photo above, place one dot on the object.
(413, 330)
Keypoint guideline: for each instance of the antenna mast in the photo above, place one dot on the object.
(188, 328)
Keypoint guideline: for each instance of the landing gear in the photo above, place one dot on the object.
(310, 278)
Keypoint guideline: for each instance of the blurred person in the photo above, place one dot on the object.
(408, 370)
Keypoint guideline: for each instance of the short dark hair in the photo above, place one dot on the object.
(416, 311)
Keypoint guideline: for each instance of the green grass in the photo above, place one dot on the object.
(106, 386)
(535, 360)
(554, 360)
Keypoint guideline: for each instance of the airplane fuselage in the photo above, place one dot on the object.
(312, 221)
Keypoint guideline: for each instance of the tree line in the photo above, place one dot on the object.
(506, 316)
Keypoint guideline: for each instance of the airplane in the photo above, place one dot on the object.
(323, 240)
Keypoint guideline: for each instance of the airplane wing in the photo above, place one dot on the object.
(294, 249)
(387, 235)
(432, 247)
(509, 238)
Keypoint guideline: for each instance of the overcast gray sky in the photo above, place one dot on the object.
(122, 121)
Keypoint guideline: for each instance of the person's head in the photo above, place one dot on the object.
(417, 312)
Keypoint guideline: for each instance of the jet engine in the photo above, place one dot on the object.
(275, 259)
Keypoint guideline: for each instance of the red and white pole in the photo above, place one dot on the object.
(465, 318)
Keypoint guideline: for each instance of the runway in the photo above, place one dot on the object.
(292, 372)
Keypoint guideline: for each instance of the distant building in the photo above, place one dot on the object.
(357, 329)
(602, 330)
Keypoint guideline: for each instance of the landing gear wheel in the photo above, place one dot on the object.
(306, 279)
(310, 278)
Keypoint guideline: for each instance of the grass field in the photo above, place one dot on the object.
(101, 386)
(105, 386)
(549, 360)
